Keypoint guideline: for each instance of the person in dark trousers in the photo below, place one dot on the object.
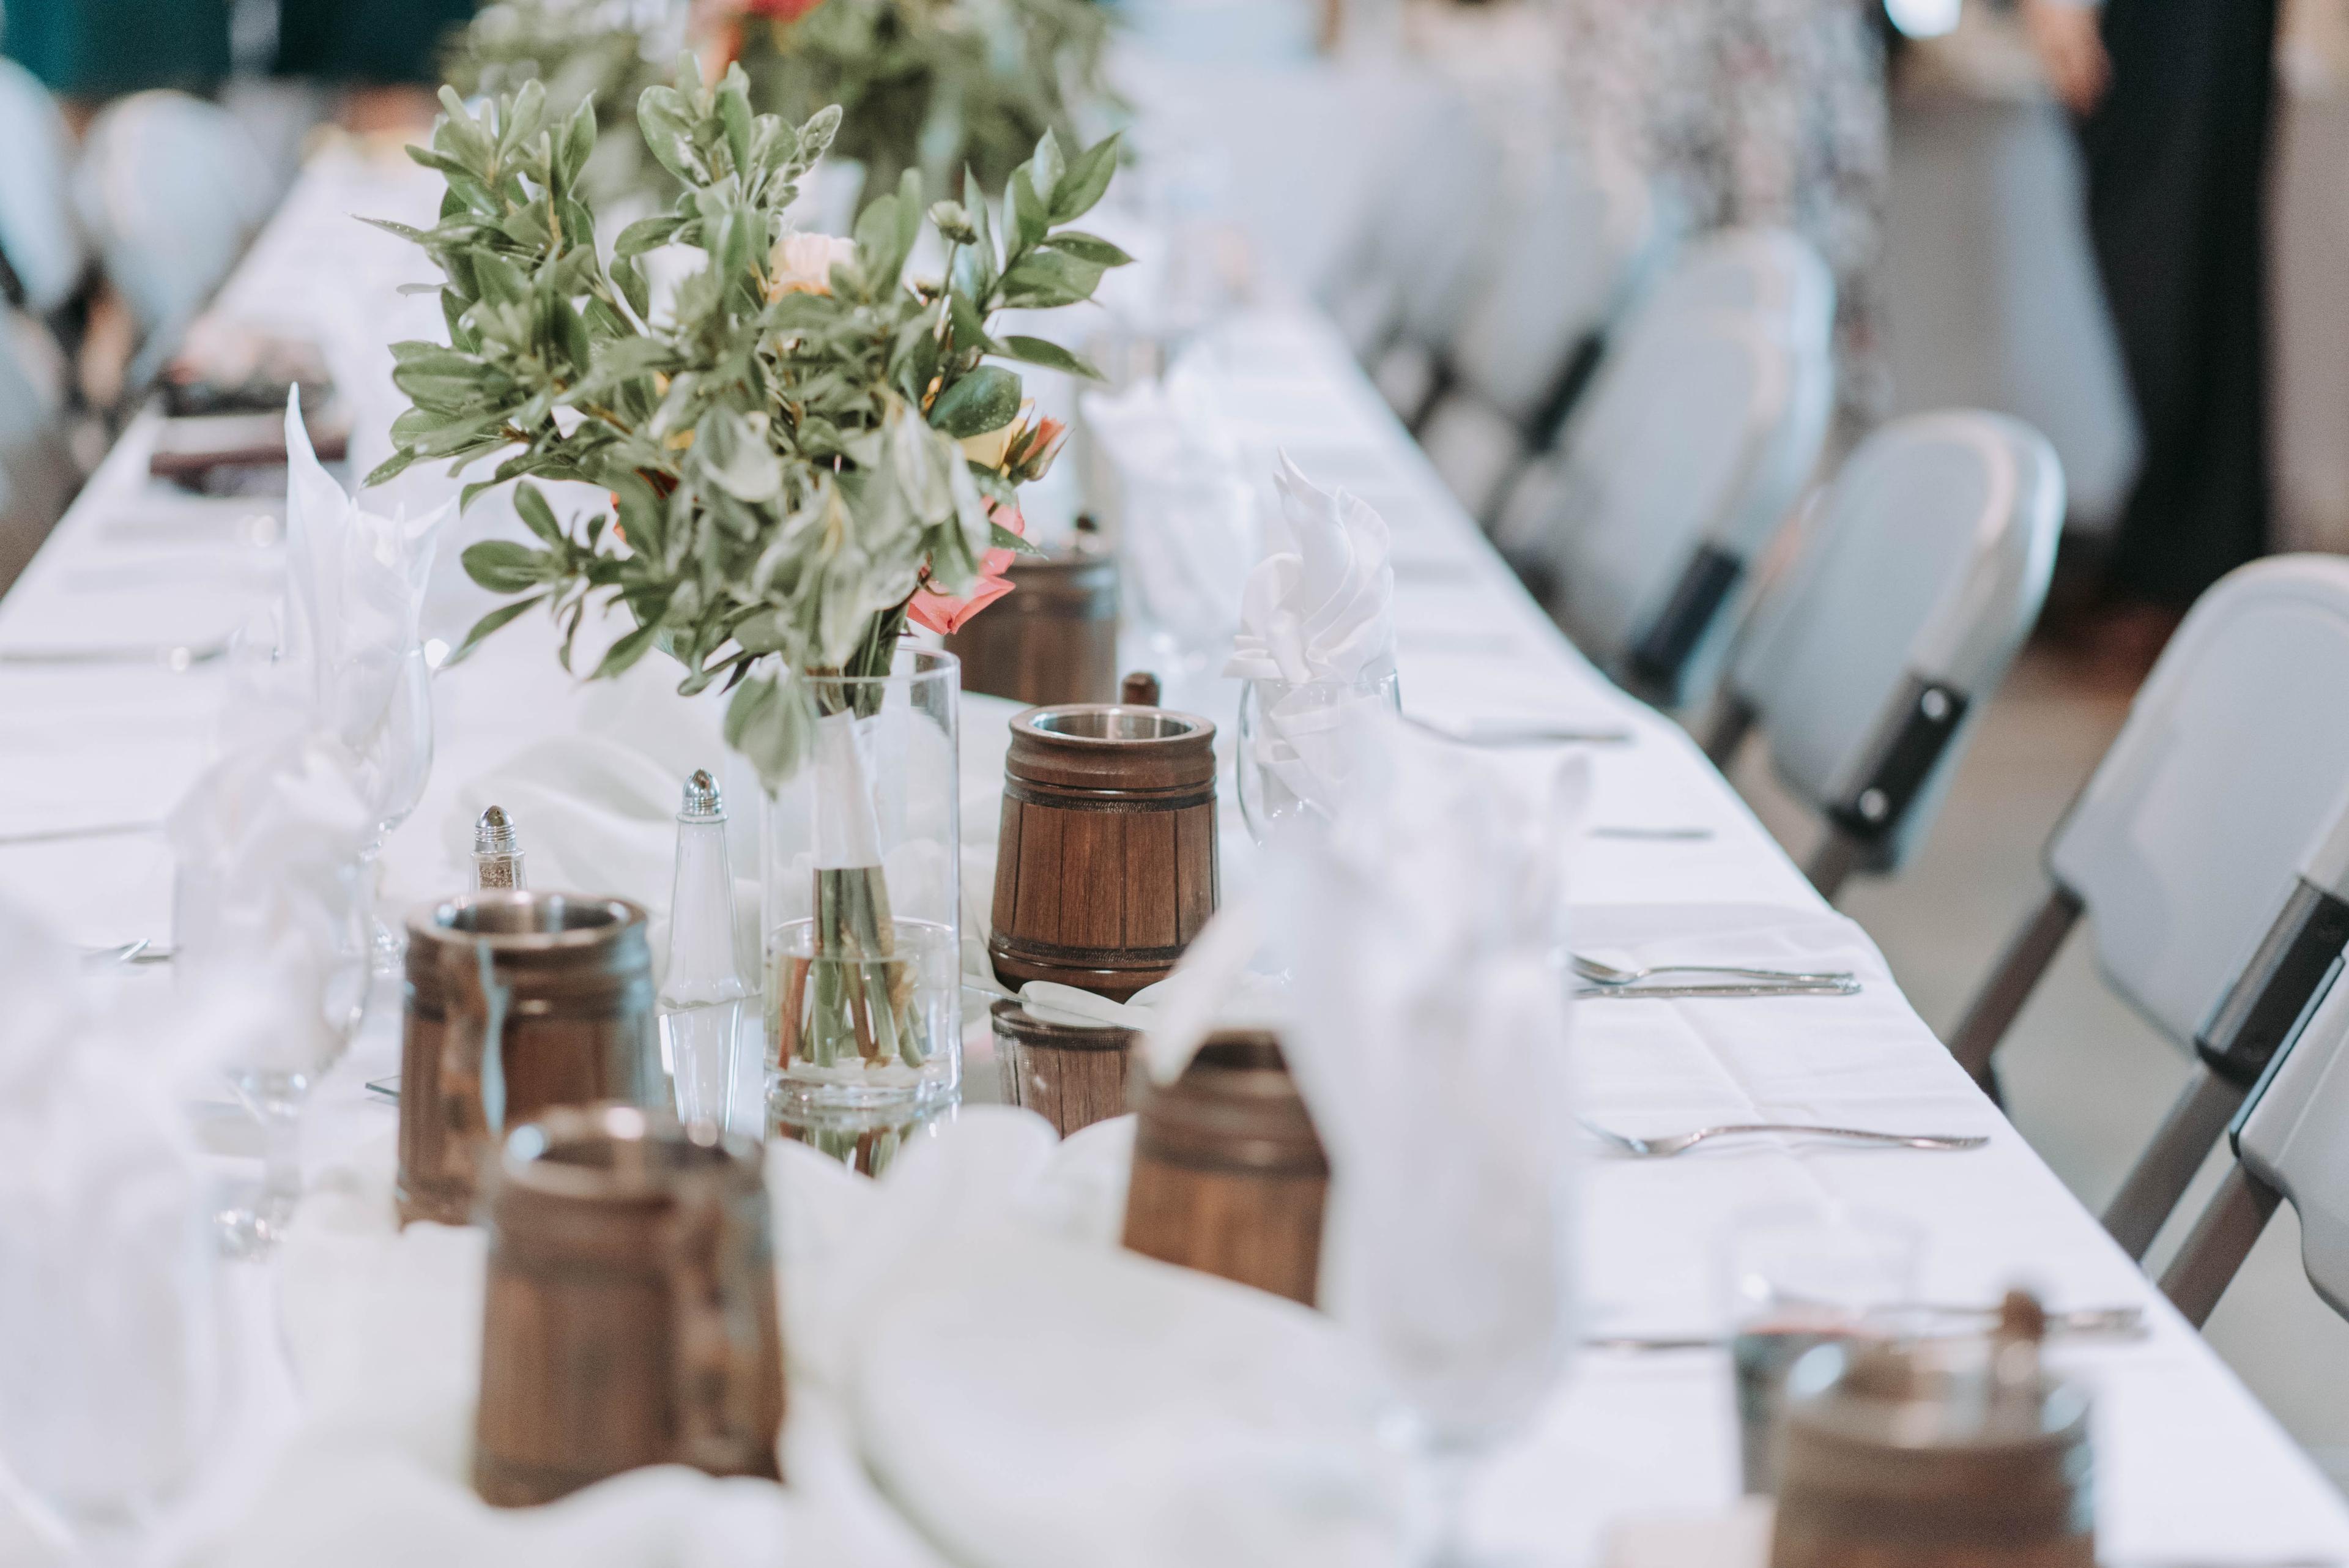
(2173, 101)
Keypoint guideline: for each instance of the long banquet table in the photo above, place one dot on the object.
(2191, 1469)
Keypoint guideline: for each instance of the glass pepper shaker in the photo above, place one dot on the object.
(702, 989)
(497, 852)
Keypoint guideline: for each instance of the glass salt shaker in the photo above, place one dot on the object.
(702, 989)
(497, 852)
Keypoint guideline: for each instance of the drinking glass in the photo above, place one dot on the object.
(395, 759)
(1795, 1279)
(1290, 759)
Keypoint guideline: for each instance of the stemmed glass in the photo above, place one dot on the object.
(395, 758)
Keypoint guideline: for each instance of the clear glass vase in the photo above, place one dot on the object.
(860, 872)
(1290, 752)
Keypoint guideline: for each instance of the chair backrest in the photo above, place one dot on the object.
(1919, 570)
(38, 234)
(171, 188)
(2189, 836)
(2293, 1135)
(1683, 459)
(1576, 250)
(1425, 245)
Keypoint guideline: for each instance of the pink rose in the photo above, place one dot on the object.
(947, 616)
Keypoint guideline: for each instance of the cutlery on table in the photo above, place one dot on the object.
(1690, 835)
(2082, 1322)
(121, 952)
(1663, 1145)
(1598, 974)
(385, 1088)
(1699, 992)
(62, 834)
(174, 655)
(1513, 733)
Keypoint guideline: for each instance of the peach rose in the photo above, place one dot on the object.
(946, 616)
(803, 263)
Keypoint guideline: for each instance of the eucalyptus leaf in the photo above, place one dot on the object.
(986, 399)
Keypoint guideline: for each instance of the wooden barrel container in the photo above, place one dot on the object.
(1053, 638)
(1230, 1177)
(1106, 867)
(574, 1013)
(630, 1316)
(1933, 1454)
(1071, 1075)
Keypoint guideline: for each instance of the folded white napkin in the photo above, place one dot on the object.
(1319, 606)
(111, 1327)
(1428, 1033)
(355, 590)
(958, 1331)
(268, 898)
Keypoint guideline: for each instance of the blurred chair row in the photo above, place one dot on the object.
(155, 203)
(1637, 420)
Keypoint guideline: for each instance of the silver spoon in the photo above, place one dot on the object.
(1599, 973)
(2081, 1322)
(1666, 1145)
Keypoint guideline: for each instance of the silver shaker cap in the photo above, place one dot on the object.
(703, 803)
(495, 834)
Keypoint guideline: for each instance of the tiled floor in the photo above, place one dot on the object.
(2087, 1078)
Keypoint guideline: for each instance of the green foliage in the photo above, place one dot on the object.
(934, 85)
(781, 452)
(581, 51)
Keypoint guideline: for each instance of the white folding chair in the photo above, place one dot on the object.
(1575, 253)
(2209, 851)
(2291, 1144)
(39, 239)
(1417, 262)
(1919, 571)
(171, 188)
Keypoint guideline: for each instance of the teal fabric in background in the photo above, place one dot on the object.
(369, 42)
(97, 48)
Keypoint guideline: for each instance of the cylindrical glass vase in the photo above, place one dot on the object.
(861, 865)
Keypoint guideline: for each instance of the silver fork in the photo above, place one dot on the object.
(180, 656)
(1666, 1145)
(1599, 973)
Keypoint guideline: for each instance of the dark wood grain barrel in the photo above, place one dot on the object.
(576, 1019)
(1230, 1177)
(630, 1316)
(1053, 638)
(1070, 1074)
(1106, 866)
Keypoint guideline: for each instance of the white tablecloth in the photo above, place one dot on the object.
(2189, 1468)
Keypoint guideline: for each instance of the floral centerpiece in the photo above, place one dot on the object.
(934, 85)
(805, 447)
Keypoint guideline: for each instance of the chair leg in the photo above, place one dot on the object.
(2164, 1171)
(1833, 861)
(2222, 1238)
(1731, 721)
(2026, 958)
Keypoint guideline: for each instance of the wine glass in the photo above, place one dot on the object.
(394, 759)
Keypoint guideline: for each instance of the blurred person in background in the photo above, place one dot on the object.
(1755, 112)
(385, 53)
(2172, 100)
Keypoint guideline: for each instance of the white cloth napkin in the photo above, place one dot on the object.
(1428, 1033)
(268, 900)
(1317, 643)
(110, 1334)
(1319, 606)
(355, 590)
(958, 1330)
